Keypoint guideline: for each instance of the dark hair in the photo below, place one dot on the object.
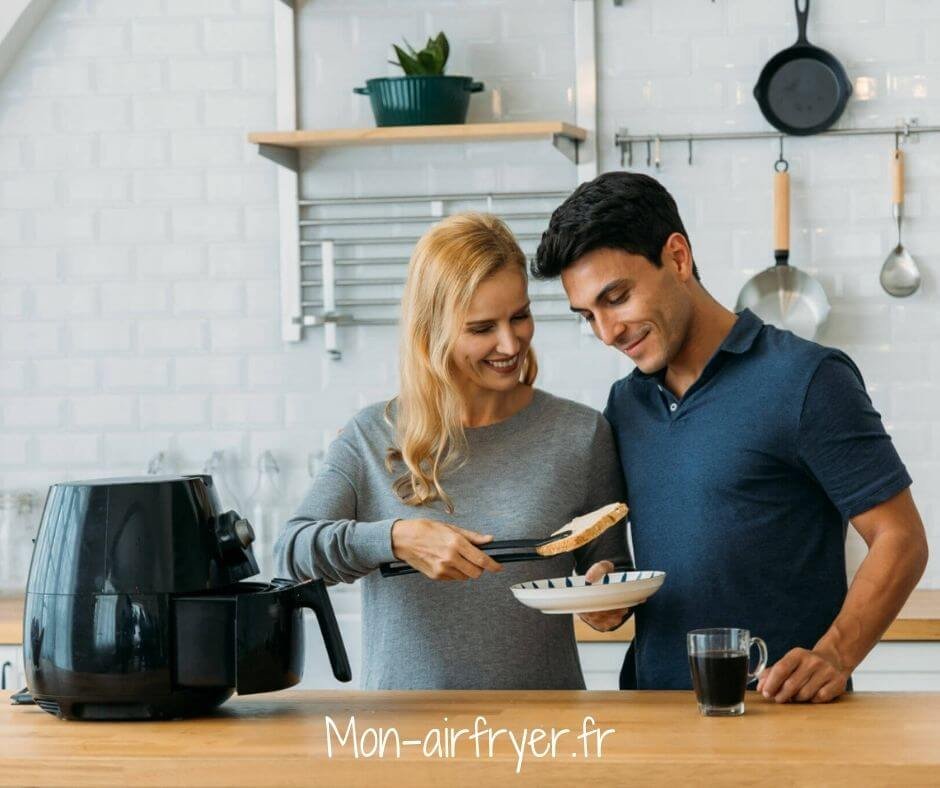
(617, 210)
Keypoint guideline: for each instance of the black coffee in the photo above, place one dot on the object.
(719, 677)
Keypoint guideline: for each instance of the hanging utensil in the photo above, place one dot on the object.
(570, 536)
(783, 295)
(900, 276)
(803, 89)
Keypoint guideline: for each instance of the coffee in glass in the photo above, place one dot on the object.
(718, 659)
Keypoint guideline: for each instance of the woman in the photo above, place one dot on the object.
(467, 452)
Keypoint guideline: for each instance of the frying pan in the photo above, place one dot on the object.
(803, 89)
(570, 536)
(782, 295)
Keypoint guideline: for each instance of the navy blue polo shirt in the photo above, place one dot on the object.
(741, 492)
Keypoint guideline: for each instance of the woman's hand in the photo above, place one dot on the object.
(604, 620)
(442, 551)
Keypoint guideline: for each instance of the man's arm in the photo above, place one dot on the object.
(897, 556)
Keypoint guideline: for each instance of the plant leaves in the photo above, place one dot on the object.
(407, 63)
(430, 61)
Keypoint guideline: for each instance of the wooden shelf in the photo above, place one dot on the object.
(564, 136)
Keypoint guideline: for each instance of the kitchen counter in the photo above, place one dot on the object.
(658, 737)
(919, 621)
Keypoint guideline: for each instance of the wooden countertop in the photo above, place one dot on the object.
(658, 737)
(919, 620)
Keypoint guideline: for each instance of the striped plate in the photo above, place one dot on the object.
(576, 595)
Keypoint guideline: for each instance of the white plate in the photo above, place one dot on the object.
(576, 595)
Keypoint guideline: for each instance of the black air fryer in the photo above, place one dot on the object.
(136, 606)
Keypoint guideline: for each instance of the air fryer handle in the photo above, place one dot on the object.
(312, 594)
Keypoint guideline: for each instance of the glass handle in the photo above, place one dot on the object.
(762, 662)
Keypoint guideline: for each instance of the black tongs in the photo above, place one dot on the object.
(505, 551)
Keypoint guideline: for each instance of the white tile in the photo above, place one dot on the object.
(100, 336)
(187, 336)
(128, 76)
(246, 409)
(132, 225)
(65, 300)
(206, 223)
(88, 114)
(168, 185)
(239, 36)
(31, 412)
(173, 410)
(162, 37)
(166, 111)
(134, 374)
(203, 74)
(67, 374)
(208, 371)
(68, 448)
(209, 299)
(134, 299)
(133, 151)
(95, 188)
(103, 411)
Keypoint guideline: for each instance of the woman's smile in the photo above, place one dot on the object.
(503, 366)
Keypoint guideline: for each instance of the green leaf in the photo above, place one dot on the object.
(444, 45)
(429, 63)
(407, 63)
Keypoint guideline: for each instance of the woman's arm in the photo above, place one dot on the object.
(325, 540)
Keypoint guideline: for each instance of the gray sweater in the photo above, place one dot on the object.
(525, 477)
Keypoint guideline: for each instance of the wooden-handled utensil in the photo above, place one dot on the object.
(783, 295)
(570, 536)
(900, 276)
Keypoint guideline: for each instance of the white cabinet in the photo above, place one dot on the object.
(900, 667)
(600, 663)
(12, 677)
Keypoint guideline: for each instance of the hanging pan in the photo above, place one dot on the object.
(803, 89)
(782, 295)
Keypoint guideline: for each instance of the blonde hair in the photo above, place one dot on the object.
(449, 263)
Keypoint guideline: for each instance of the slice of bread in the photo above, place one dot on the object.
(585, 528)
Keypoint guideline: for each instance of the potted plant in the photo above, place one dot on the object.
(424, 95)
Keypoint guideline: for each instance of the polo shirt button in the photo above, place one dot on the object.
(673, 407)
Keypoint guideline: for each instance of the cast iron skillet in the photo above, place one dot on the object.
(803, 89)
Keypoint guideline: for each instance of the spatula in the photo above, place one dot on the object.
(574, 534)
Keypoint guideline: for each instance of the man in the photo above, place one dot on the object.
(746, 451)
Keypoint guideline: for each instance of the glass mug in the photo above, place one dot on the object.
(718, 659)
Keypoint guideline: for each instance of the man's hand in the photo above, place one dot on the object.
(604, 620)
(804, 676)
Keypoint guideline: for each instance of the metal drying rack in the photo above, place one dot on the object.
(352, 275)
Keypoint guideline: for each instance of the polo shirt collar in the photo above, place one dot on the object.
(743, 333)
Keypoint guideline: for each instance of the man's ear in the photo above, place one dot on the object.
(677, 253)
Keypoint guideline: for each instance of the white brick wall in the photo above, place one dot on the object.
(138, 231)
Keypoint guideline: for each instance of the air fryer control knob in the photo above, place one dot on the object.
(244, 532)
(235, 535)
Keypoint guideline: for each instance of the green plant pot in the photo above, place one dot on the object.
(419, 101)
